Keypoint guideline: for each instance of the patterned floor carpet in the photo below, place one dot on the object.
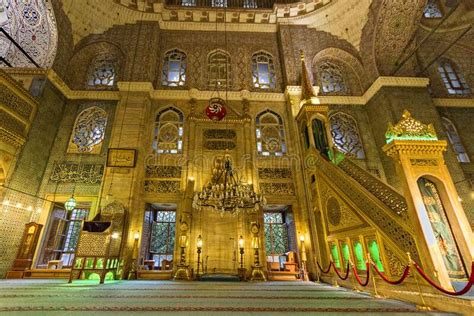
(56, 297)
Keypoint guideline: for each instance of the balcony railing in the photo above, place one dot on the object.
(245, 4)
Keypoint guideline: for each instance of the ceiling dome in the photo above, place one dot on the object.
(32, 25)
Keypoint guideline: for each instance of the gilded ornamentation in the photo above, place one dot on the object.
(409, 128)
(11, 124)
(219, 134)
(333, 210)
(11, 100)
(219, 139)
(424, 162)
(395, 265)
(156, 171)
(274, 173)
(277, 188)
(70, 172)
(392, 199)
(164, 186)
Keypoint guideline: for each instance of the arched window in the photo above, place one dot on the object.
(330, 77)
(320, 137)
(270, 134)
(168, 138)
(432, 10)
(453, 80)
(345, 135)
(102, 72)
(441, 228)
(305, 135)
(455, 140)
(219, 3)
(263, 71)
(174, 69)
(89, 130)
(219, 69)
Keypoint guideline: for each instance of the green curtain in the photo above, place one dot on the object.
(441, 228)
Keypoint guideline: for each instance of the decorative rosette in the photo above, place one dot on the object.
(216, 109)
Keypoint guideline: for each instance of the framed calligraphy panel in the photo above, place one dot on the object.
(121, 157)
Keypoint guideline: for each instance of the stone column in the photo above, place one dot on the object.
(122, 184)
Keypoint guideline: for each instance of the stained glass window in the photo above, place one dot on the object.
(89, 129)
(219, 69)
(345, 135)
(270, 134)
(276, 233)
(219, 3)
(168, 136)
(102, 72)
(432, 10)
(455, 140)
(330, 77)
(453, 80)
(441, 228)
(375, 254)
(359, 256)
(174, 69)
(263, 71)
(163, 236)
(335, 255)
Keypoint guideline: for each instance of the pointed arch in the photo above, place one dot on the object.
(263, 70)
(169, 130)
(89, 129)
(455, 140)
(174, 68)
(219, 69)
(270, 134)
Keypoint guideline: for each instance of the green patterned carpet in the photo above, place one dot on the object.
(57, 297)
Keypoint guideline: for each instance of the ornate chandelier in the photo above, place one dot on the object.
(226, 193)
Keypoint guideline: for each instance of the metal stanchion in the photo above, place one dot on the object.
(376, 294)
(423, 305)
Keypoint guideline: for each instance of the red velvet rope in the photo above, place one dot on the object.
(327, 271)
(337, 272)
(433, 284)
(357, 276)
(404, 275)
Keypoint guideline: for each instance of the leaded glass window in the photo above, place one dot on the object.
(168, 136)
(89, 130)
(174, 69)
(455, 140)
(163, 236)
(331, 78)
(63, 234)
(73, 231)
(102, 72)
(432, 10)
(188, 3)
(219, 3)
(250, 4)
(276, 233)
(453, 80)
(345, 135)
(263, 71)
(219, 69)
(270, 134)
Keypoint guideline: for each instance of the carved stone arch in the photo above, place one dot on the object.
(388, 35)
(79, 65)
(354, 72)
